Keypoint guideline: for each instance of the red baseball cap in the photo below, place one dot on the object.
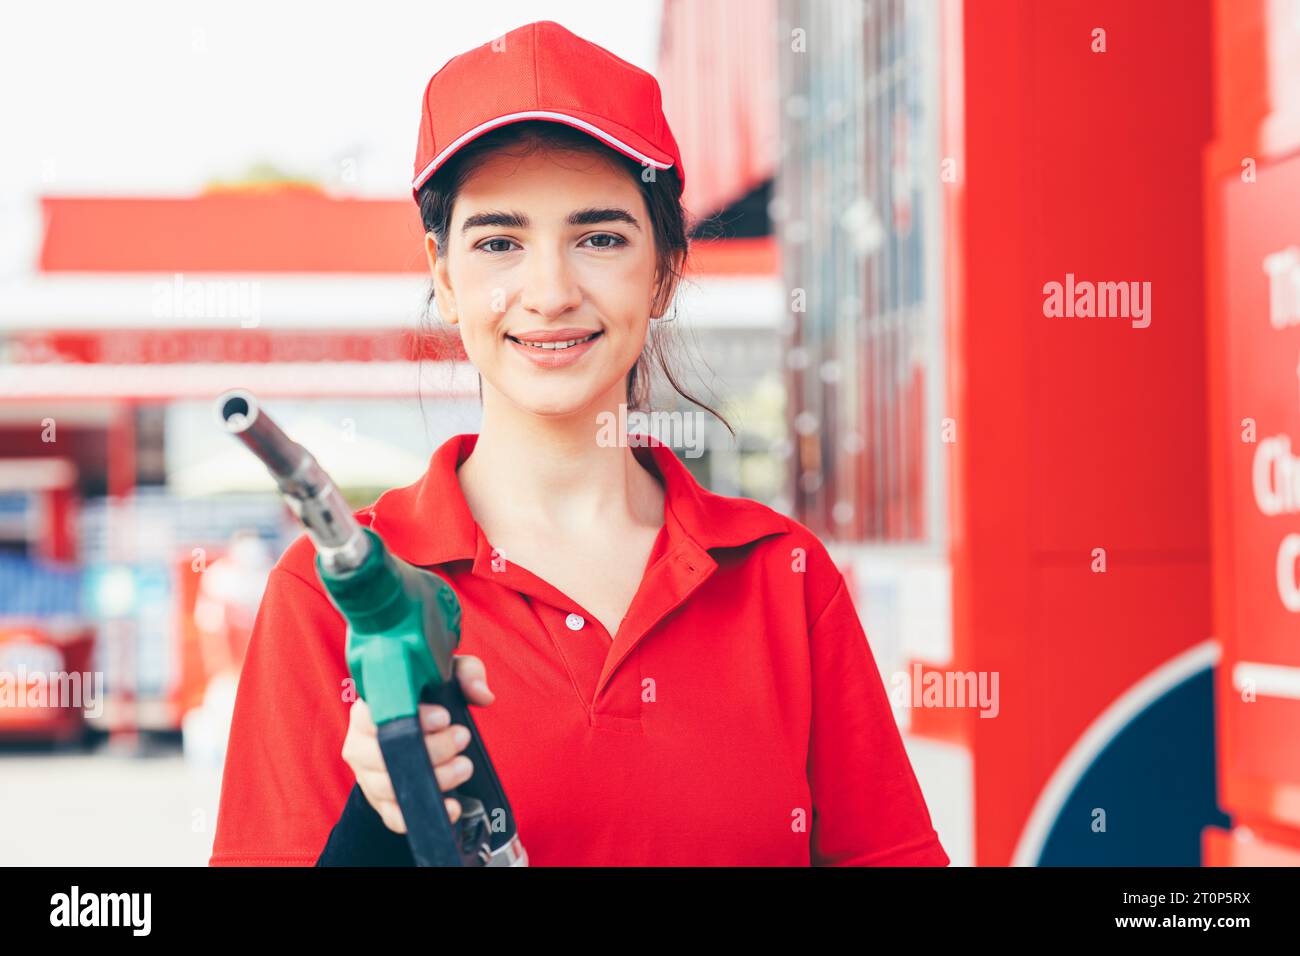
(541, 71)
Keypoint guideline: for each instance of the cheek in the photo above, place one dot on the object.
(479, 334)
(622, 292)
(476, 287)
(634, 339)
(631, 276)
(481, 300)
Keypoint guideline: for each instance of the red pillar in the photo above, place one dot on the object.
(1074, 434)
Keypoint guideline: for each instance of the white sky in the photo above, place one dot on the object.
(147, 97)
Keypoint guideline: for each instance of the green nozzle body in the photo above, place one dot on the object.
(403, 628)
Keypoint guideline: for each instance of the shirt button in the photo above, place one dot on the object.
(574, 622)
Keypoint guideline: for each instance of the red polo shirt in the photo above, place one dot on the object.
(736, 718)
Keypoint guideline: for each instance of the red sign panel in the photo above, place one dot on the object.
(1259, 688)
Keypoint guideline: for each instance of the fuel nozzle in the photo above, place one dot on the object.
(403, 628)
(304, 485)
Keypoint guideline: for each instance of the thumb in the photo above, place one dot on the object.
(472, 676)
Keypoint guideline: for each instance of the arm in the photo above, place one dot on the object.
(867, 806)
(285, 781)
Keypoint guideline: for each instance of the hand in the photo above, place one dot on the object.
(451, 768)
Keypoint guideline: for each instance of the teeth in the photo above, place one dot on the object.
(557, 345)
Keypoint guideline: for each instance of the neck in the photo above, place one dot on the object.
(551, 475)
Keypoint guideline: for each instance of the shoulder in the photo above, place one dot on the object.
(803, 544)
(792, 556)
(774, 529)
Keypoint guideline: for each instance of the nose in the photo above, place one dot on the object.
(550, 285)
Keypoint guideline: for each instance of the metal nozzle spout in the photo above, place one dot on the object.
(241, 415)
(305, 486)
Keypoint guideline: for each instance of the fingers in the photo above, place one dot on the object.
(361, 745)
(378, 786)
(450, 767)
(472, 676)
(433, 717)
(387, 807)
(391, 814)
(359, 720)
(444, 743)
(361, 749)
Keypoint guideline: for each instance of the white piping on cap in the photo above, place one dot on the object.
(534, 114)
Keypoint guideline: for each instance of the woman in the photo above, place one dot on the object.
(680, 677)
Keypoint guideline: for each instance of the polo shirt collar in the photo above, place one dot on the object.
(429, 522)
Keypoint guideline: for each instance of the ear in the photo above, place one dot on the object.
(443, 294)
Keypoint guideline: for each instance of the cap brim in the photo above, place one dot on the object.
(613, 135)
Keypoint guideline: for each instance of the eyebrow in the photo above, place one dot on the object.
(581, 217)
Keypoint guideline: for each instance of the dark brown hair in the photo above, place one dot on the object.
(667, 216)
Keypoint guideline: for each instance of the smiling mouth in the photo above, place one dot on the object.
(555, 346)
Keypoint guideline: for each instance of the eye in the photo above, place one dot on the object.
(487, 242)
(617, 240)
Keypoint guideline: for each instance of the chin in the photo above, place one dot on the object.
(560, 403)
(559, 400)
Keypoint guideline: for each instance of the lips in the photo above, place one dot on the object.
(555, 348)
(547, 341)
